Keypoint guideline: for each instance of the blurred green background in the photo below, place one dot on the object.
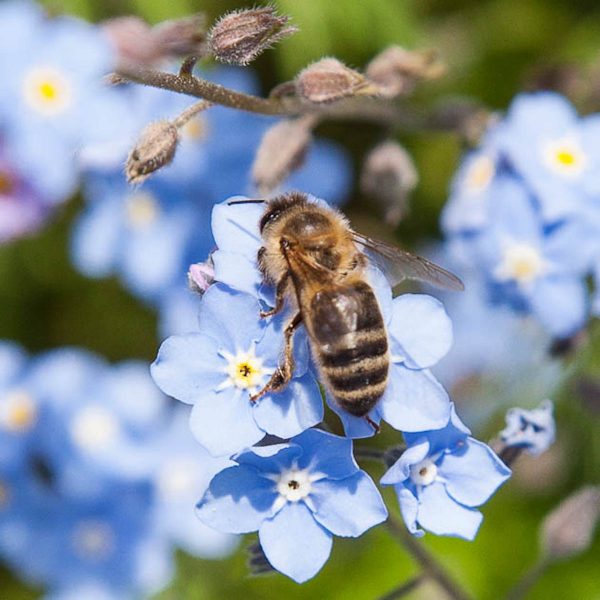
(493, 50)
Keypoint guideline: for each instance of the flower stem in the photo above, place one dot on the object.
(428, 562)
(369, 453)
(528, 580)
(405, 588)
(191, 112)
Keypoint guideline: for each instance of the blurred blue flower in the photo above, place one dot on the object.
(22, 209)
(52, 97)
(297, 496)
(556, 152)
(442, 477)
(181, 472)
(533, 430)
(232, 356)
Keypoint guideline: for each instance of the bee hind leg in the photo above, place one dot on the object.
(279, 298)
(372, 423)
(285, 370)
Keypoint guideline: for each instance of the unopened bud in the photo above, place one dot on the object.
(396, 70)
(201, 276)
(154, 149)
(282, 150)
(389, 175)
(181, 37)
(569, 529)
(240, 36)
(257, 561)
(329, 80)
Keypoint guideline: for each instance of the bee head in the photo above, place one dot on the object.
(279, 205)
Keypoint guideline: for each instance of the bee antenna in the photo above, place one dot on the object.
(247, 201)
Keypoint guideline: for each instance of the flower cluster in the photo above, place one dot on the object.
(297, 495)
(524, 210)
(96, 462)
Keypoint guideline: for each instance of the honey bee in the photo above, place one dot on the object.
(317, 264)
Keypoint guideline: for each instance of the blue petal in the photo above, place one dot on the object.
(348, 507)
(561, 304)
(409, 507)
(473, 476)
(270, 459)
(12, 361)
(224, 424)
(238, 272)
(235, 227)
(289, 412)
(422, 327)
(355, 427)
(294, 543)
(400, 470)
(188, 366)
(238, 500)
(326, 453)
(414, 401)
(441, 515)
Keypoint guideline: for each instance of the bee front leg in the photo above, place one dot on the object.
(279, 298)
(285, 370)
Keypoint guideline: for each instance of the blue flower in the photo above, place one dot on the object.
(297, 496)
(419, 329)
(533, 430)
(442, 477)
(181, 471)
(556, 152)
(233, 356)
(52, 97)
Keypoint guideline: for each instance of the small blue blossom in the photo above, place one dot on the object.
(52, 97)
(533, 430)
(233, 356)
(297, 496)
(419, 328)
(442, 477)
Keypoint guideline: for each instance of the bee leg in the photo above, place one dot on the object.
(285, 370)
(279, 298)
(372, 423)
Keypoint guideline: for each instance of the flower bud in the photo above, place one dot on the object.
(281, 151)
(568, 530)
(181, 37)
(257, 561)
(154, 149)
(201, 276)
(389, 175)
(240, 36)
(329, 80)
(396, 70)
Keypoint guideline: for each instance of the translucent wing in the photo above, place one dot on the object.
(398, 264)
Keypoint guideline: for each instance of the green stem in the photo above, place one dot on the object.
(428, 562)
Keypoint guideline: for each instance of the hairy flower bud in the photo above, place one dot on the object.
(396, 70)
(137, 42)
(389, 175)
(154, 149)
(240, 36)
(329, 80)
(568, 530)
(281, 151)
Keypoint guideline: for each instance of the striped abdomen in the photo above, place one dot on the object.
(350, 343)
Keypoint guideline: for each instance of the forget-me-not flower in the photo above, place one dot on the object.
(297, 496)
(232, 357)
(441, 479)
(533, 430)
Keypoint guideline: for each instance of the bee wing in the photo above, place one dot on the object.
(398, 265)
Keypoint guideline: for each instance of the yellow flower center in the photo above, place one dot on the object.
(565, 157)
(521, 263)
(93, 540)
(480, 173)
(94, 428)
(244, 370)
(47, 91)
(142, 210)
(18, 411)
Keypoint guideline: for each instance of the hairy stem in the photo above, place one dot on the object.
(428, 562)
(405, 588)
(191, 112)
(369, 453)
(528, 580)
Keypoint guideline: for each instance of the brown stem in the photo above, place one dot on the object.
(427, 561)
(404, 588)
